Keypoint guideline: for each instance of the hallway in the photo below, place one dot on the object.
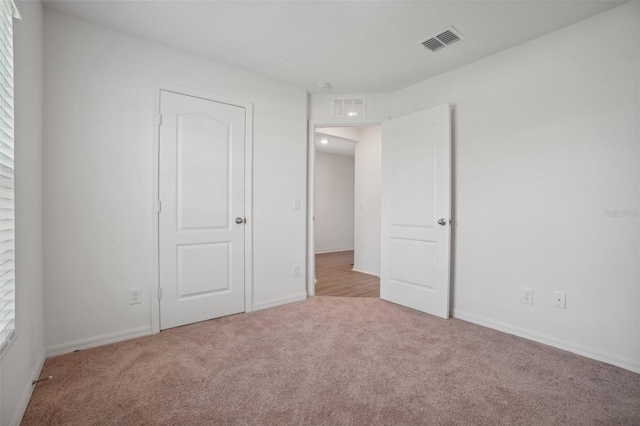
(335, 277)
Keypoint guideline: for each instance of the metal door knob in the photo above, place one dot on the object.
(442, 222)
(239, 220)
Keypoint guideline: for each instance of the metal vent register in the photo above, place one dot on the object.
(442, 39)
(348, 107)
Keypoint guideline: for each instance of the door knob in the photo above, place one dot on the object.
(239, 220)
(442, 222)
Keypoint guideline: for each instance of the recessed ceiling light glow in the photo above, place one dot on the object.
(324, 141)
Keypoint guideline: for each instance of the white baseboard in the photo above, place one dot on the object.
(26, 396)
(278, 302)
(92, 342)
(365, 270)
(625, 363)
(334, 250)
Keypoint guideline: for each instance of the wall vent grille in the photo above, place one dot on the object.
(348, 107)
(442, 39)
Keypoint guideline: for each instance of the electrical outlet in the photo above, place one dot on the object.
(527, 296)
(560, 300)
(296, 270)
(134, 296)
(296, 203)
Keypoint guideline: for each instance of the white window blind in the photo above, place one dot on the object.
(7, 211)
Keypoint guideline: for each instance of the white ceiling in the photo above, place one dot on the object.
(335, 145)
(357, 46)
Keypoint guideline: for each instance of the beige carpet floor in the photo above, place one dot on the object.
(332, 361)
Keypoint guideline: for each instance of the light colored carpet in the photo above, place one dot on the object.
(333, 361)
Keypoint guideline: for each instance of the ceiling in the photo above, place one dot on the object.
(335, 145)
(357, 46)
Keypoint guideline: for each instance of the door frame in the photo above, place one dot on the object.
(248, 194)
(311, 190)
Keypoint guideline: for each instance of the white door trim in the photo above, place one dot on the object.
(248, 195)
(311, 191)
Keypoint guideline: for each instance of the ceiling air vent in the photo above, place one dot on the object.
(444, 38)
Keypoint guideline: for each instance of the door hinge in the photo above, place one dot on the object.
(159, 119)
(158, 206)
(159, 293)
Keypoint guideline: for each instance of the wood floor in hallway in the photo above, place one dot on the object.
(335, 277)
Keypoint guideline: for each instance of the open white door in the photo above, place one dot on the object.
(416, 210)
(202, 225)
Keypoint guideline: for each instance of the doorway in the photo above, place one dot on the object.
(346, 249)
(414, 234)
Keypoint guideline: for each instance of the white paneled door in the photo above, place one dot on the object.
(416, 210)
(202, 226)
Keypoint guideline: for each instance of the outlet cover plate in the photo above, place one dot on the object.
(527, 296)
(135, 296)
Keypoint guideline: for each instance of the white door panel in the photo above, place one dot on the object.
(416, 194)
(202, 171)
(201, 175)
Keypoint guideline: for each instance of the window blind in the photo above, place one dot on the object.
(7, 207)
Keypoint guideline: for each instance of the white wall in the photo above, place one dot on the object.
(24, 359)
(98, 177)
(367, 202)
(334, 202)
(546, 139)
